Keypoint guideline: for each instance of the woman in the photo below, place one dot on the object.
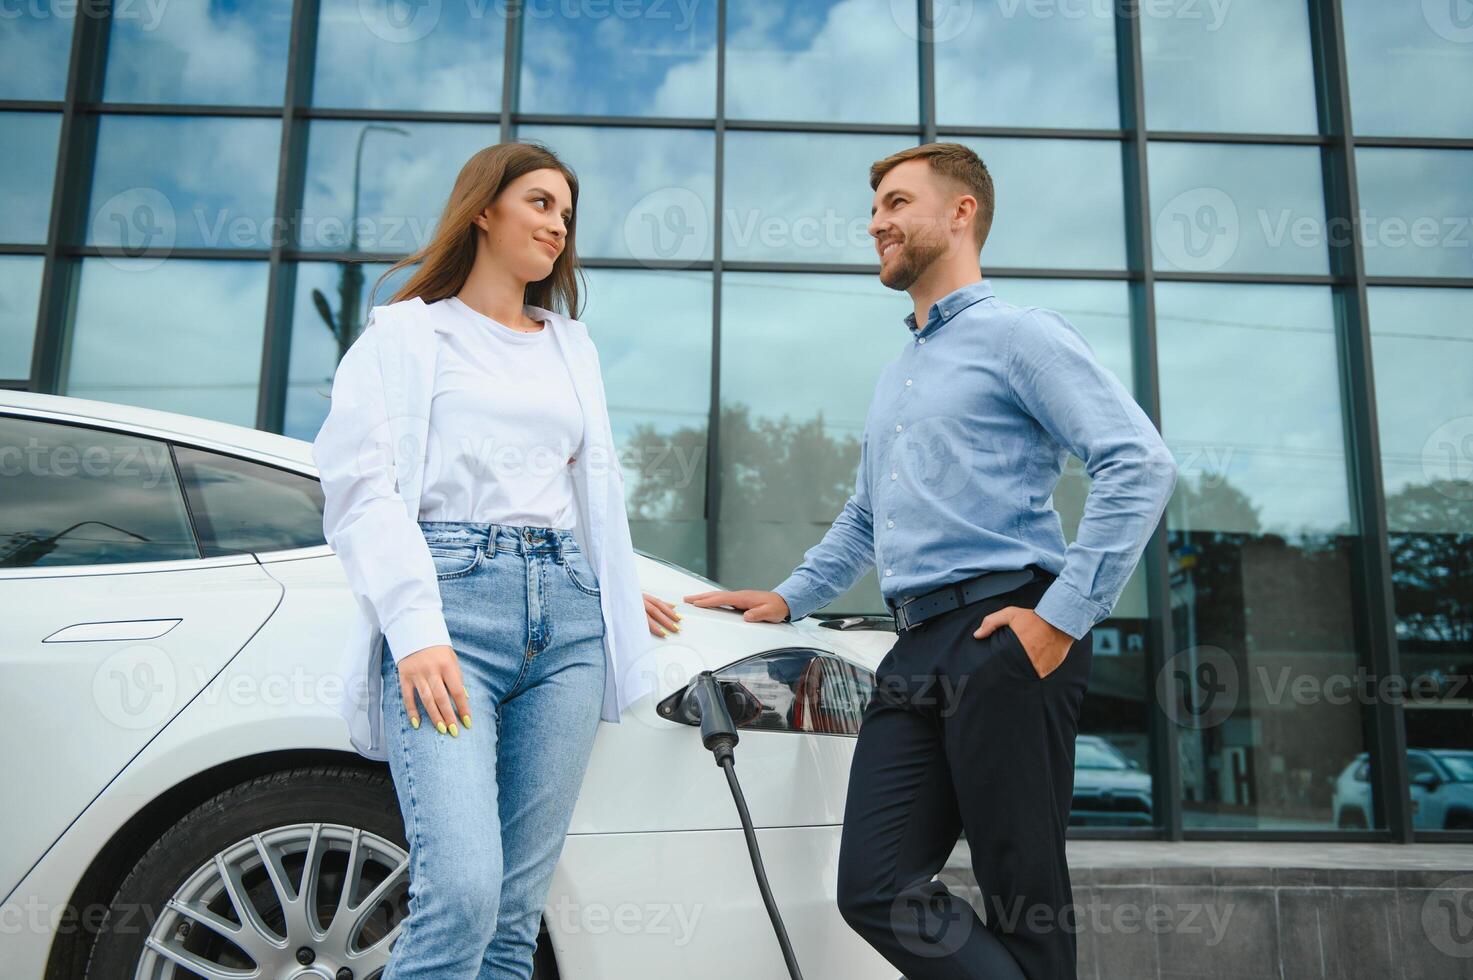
(489, 604)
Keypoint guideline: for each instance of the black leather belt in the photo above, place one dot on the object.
(915, 611)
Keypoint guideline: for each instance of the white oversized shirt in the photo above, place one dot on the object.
(504, 423)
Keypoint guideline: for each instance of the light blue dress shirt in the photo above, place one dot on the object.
(966, 437)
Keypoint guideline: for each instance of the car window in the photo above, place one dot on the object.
(240, 506)
(81, 496)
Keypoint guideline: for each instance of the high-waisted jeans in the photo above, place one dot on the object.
(486, 812)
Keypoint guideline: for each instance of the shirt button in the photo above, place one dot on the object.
(889, 572)
(897, 428)
(889, 523)
(922, 340)
(907, 382)
(894, 476)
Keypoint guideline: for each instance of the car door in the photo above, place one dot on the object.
(112, 619)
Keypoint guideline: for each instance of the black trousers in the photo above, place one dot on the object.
(962, 734)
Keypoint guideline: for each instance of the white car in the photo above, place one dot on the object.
(181, 798)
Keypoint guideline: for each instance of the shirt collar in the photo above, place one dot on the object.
(949, 306)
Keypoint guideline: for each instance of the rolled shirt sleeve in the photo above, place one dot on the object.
(385, 556)
(1054, 376)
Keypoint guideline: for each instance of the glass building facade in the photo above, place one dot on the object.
(1257, 213)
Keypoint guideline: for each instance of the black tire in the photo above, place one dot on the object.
(357, 798)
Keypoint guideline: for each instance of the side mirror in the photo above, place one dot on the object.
(745, 707)
(1426, 780)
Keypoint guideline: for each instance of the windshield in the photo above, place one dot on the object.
(1460, 764)
(1092, 755)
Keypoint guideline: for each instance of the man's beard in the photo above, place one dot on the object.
(912, 258)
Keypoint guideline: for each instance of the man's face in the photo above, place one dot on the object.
(909, 223)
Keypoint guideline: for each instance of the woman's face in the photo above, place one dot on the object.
(526, 228)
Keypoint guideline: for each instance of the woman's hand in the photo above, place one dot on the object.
(661, 615)
(434, 673)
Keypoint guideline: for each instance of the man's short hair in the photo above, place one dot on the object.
(957, 162)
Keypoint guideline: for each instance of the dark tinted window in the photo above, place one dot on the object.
(240, 506)
(79, 496)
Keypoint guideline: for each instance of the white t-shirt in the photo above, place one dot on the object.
(504, 421)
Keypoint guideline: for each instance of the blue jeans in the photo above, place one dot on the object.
(486, 813)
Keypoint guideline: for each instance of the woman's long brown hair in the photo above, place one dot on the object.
(445, 263)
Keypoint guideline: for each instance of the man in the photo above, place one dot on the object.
(976, 706)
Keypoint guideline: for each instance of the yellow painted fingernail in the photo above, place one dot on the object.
(675, 628)
(678, 616)
(466, 719)
(414, 722)
(454, 730)
(662, 631)
(440, 727)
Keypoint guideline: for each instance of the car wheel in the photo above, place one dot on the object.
(301, 873)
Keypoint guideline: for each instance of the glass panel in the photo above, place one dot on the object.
(20, 300)
(184, 181)
(201, 53)
(387, 54)
(329, 312)
(1017, 63)
(1422, 340)
(643, 193)
(1226, 208)
(404, 170)
(88, 497)
(640, 59)
(1261, 541)
(657, 375)
(791, 425)
(37, 41)
(801, 197)
(182, 336)
(240, 506)
(28, 144)
(1060, 203)
(1406, 61)
(1244, 67)
(1416, 211)
(829, 60)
